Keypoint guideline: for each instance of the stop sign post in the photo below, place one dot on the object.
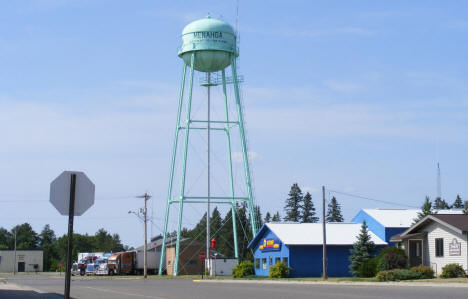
(71, 193)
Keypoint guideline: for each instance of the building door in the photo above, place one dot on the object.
(415, 252)
(20, 266)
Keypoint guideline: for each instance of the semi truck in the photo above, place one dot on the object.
(132, 262)
(92, 268)
(83, 263)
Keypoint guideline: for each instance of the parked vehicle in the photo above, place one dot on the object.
(102, 268)
(152, 257)
(132, 262)
(121, 263)
(91, 268)
(75, 270)
(83, 263)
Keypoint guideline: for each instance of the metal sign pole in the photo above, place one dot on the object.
(70, 235)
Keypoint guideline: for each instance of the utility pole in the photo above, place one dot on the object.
(207, 259)
(145, 196)
(14, 263)
(324, 245)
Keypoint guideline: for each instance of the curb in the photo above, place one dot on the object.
(343, 283)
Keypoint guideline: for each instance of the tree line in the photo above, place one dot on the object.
(431, 207)
(55, 248)
(298, 208)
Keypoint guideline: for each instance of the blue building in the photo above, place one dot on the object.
(386, 223)
(299, 245)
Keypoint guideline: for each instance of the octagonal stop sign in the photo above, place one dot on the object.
(60, 192)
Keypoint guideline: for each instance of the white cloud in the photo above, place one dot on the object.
(238, 157)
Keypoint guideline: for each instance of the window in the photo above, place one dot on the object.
(277, 260)
(270, 260)
(257, 263)
(439, 247)
(285, 261)
(264, 265)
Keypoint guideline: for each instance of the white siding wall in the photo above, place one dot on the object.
(434, 231)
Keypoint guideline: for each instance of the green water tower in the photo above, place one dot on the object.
(212, 41)
(208, 46)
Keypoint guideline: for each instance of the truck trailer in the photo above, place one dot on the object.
(132, 262)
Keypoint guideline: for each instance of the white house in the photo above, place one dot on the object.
(436, 240)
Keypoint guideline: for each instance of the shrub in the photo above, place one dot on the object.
(279, 270)
(245, 268)
(452, 271)
(391, 258)
(424, 271)
(368, 268)
(385, 276)
(397, 274)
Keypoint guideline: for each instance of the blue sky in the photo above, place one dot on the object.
(359, 96)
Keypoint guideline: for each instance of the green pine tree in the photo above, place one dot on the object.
(334, 211)
(5, 237)
(440, 204)
(47, 243)
(465, 207)
(26, 237)
(426, 209)
(225, 239)
(458, 203)
(276, 217)
(308, 210)
(258, 216)
(267, 217)
(293, 204)
(215, 223)
(363, 249)
(244, 231)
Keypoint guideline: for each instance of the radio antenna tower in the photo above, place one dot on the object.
(439, 187)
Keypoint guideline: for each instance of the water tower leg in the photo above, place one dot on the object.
(184, 165)
(171, 175)
(231, 179)
(244, 147)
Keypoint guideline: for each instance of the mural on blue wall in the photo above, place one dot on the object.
(270, 245)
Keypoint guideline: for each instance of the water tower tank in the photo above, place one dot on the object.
(213, 42)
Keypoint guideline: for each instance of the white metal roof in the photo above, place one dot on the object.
(311, 233)
(400, 217)
(393, 217)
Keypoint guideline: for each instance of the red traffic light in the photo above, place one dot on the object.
(213, 243)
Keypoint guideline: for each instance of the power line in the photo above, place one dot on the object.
(372, 199)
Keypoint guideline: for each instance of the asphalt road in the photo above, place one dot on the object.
(183, 288)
